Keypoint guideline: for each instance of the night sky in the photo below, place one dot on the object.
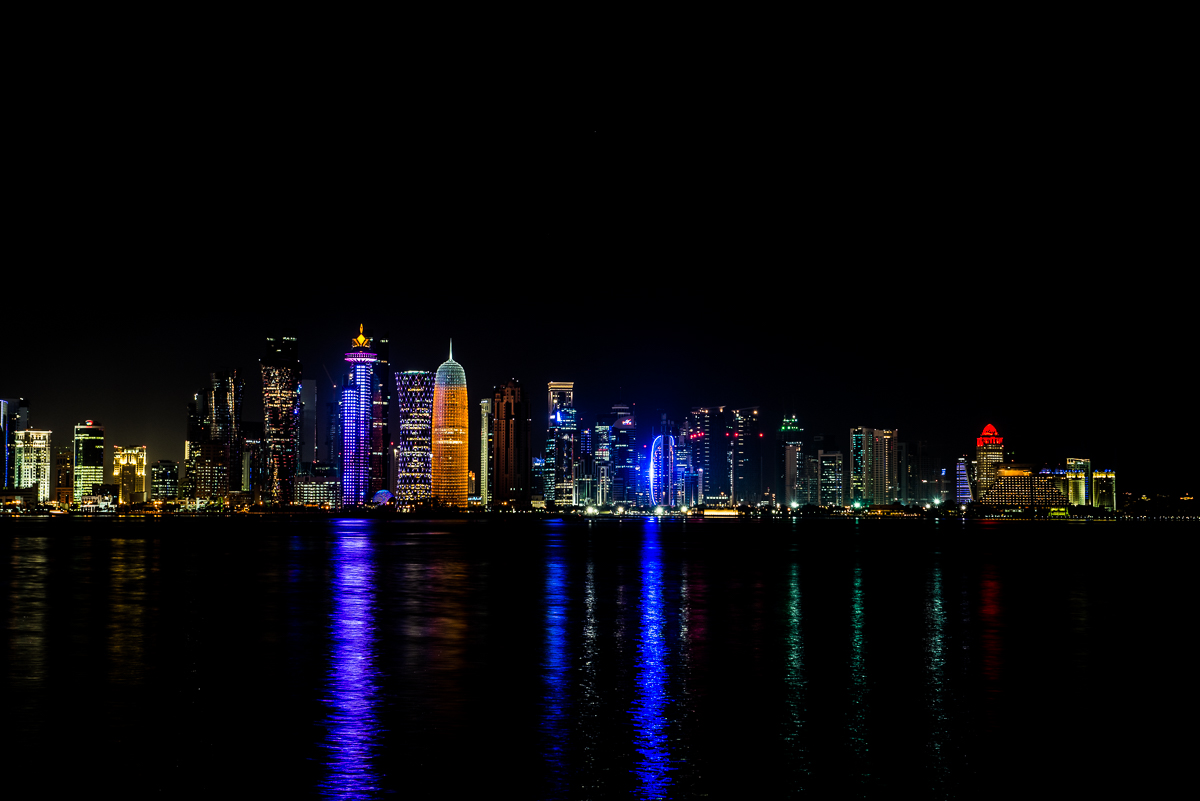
(886, 274)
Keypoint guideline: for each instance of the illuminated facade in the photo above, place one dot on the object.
(129, 473)
(623, 443)
(356, 411)
(746, 486)
(282, 419)
(560, 452)
(874, 465)
(989, 455)
(31, 461)
(224, 417)
(414, 438)
(1017, 489)
(709, 438)
(1104, 490)
(485, 451)
(962, 483)
(164, 480)
(1079, 481)
(662, 470)
(64, 477)
(4, 468)
(381, 396)
(451, 415)
(89, 458)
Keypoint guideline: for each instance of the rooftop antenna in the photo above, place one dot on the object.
(451, 348)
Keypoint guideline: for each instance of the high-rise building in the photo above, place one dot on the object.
(414, 436)
(989, 455)
(381, 396)
(874, 465)
(64, 476)
(1015, 488)
(1104, 490)
(661, 468)
(282, 421)
(4, 446)
(708, 431)
(1079, 480)
(623, 446)
(747, 457)
(31, 461)
(485, 450)
(225, 427)
(451, 416)
(560, 443)
(357, 407)
(512, 445)
(89, 457)
(830, 473)
(788, 437)
(602, 458)
(129, 473)
(164, 480)
(962, 482)
(309, 428)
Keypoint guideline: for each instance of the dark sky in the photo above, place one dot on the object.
(916, 267)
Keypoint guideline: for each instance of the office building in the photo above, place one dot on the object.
(1079, 481)
(64, 477)
(602, 458)
(358, 393)
(1104, 490)
(89, 458)
(486, 457)
(560, 443)
(309, 427)
(129, 473)
(793, 489)
(623, 446)
(1015, 489)
(747, 457)
(282, 420)
(451, 416)
(31, 461)
(4, 445)
(874, 465)
(962, 482)
(710, 440)
(512, 444)
(788, 446)
(164, 480)
(381, 397)
(989, 455)
(661, 468)
(414, 436)
(224, 392)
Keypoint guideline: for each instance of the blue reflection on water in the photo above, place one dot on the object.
(353, 730)
(650, 697)
(554, 672)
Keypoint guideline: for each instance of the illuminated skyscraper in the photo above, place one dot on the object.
(747, 457)
(623, 445)
(89, 457)
(1104, 490)
(874, 465)
(560, 443)
(662, 470)
(381, 396)
(357, 399)
(31, 462)
(962, 482)
(710, 439)
(164, 480)
(414, 439)
(129, 473)
(789, 462)
(485, 450)
(4, 468)
(451, 416)
(282, 419)
(1079, 481)
(989, 455)
(64, 476)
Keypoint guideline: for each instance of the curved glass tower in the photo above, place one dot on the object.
(414, 403)
(357, 396)
(450, 443)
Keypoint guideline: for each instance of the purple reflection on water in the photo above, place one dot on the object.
(352, 689)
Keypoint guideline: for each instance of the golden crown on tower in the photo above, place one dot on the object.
(360, 341)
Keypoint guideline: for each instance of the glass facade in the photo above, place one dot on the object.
(164, 480)
(414, 437)
(282, 419)
(560, 452)
(89, 458)
(31, 461)
(357, 407)
(451, 416)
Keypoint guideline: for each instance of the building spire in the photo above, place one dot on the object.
(451, 348)
(360, 341)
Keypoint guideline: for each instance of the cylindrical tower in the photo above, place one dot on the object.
(450, 443)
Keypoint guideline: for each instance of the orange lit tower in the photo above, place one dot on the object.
(989, 455)
(450, 442)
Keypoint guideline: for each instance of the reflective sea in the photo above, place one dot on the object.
(606, 659)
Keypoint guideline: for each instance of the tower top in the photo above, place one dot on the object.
(360, 341)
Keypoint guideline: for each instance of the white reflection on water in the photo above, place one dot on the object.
(353, 731)
(858, 684)
(797, 683)
(935, 679)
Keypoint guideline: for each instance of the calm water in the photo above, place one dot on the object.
(354, 659)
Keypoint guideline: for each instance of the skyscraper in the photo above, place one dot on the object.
(989, 455)
(4, 468)
(662, 469)
(708, 431)
(747, 449)
(512, 445)
(623, 443)
(381, 396)
(31, 462)
(89, 457)
(485, 450)
(1104, 490)
(64, 476)
(962, 483)
(560, 443)
(1079, 480)
(788, 446)
(164, 480)
(874, 465)
(357, 407)
(282, 422)
(129, 473)
(224, 458)
(451, 416)
(414, 437)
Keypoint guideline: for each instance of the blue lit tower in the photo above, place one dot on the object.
(962, 484)
(414, 440)
(662, 470)
(357, 398)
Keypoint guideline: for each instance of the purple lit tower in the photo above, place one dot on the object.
(356, 421)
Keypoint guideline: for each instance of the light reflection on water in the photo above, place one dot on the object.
(936, 689)
(858, 685)
(554, 672)
(352, 689)
(650, 695)
(797, 684)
